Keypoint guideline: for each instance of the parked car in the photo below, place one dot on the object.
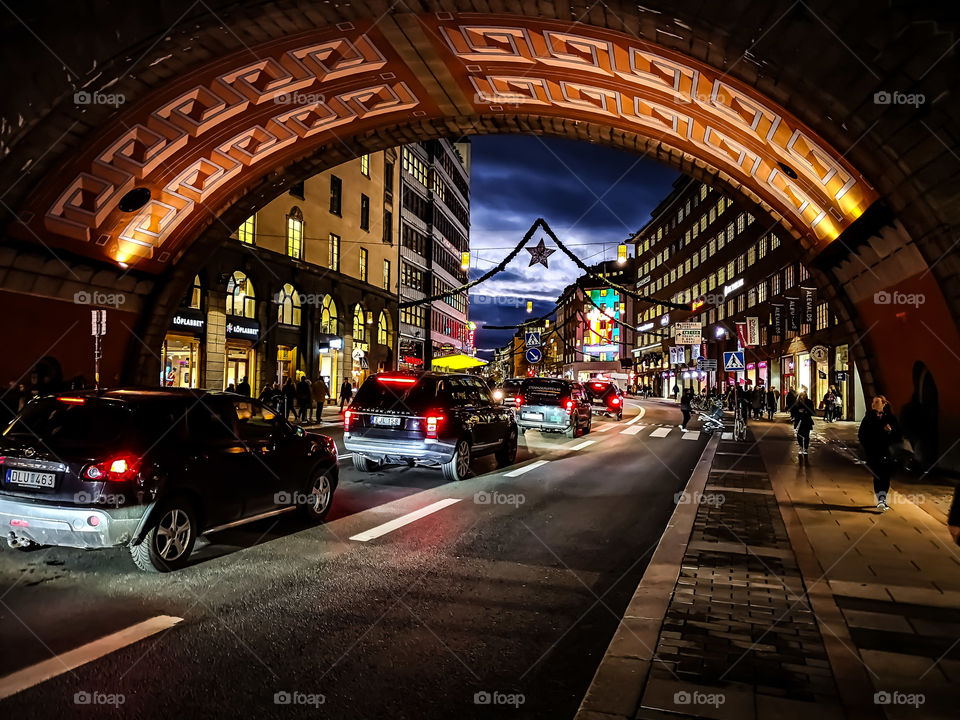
(553, 405)
(428, 418)
(509, 390)
(605, 398)
(153, 470)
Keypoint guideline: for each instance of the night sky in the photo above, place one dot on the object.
(586, 193)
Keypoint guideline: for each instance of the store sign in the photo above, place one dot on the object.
(820, 353)
(809, 296)
(597, 349)
(793, 314)
(246, 329)
(186, 320)
(776, 319)
(411, 352)
(753, 332)
(688, 333)
(646, 327)
(732, 287)
(643, 281)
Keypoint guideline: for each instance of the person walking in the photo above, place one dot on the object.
(791, 400)
(827, 404)
(346, 392)
(803, 414)
(878, 430)
(676, 392)
(837, 403)
(319, 391)
(685, 400)
(244, 387)
(304, 398)
(289, 400)
(758, 401)
(771, 402)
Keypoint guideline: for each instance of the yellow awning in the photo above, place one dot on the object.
(457, 362)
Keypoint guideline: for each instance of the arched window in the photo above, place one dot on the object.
(288, 306)
(295, 234)
(359, 328)
(195, 298)
(328, 316)
(383, 329)
(241, 299)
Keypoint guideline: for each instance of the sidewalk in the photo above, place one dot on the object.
(792, 596)
(331, 415)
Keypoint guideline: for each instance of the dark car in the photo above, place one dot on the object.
(430, 418)
(605, 397)
(553, 405)
(154, 469)
(509, 391)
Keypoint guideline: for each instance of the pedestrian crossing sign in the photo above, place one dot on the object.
(733, 361)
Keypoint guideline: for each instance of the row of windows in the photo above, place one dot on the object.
(457, 302)
(415, 240)
(416, 204)
(450, 165)
(451, 327)
(446, 228)
(413, 316)
(412, 277)
(413, 165)
(449, 262)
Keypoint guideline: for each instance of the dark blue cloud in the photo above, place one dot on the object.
(592, 196)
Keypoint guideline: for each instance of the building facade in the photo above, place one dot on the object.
(434, 246)
(731, 269)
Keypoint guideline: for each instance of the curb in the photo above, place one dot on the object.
(619, 682)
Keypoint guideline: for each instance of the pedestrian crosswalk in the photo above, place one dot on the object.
(652, 430)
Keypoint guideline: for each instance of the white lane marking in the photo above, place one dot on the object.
(643, 411)
(41, 672)
(660, 432)
(726, 436)
(582, 445)
(632, 430)
(691, 434)
(603, 428)
(399, 522)
(526, 468)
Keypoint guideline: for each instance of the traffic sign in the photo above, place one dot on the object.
(533, 339)
(688, 333)
(534, 355)
(706, 363)
(733, 361)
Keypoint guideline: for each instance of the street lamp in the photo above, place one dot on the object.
(621, 253)
(465, 260)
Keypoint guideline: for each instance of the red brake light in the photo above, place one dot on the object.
(71, 400)
(597, 386)
(518, 400)
(396, 379)
(615, 400)
(347, 417)
(117, 469)
(433, 426)
(569, 405)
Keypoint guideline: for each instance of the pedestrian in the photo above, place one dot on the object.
(676, 392)
(268, 395)
(837, 403)
(743, 398)
(231, 388)
(685, 400)
(346, 393)
(289, 400)
(771, 402)
(304, 398)
(803, 414)
(878, 430)
(244, 387)
(319, 391)
(758, 401)
(791, 400)
(827, 404)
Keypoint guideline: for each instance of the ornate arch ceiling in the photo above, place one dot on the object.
(197, 142)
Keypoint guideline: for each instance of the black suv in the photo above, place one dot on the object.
(605, 397)
(433, 418)
(154, 469)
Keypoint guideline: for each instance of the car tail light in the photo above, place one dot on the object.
(347, 417)
(569, 406)
(71, 400)
(396, 379)
(117, 469)
(518, 400)
(433, 426)
(615, 400)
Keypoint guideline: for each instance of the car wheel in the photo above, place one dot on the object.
(169, 541)
(507, 454)
(620, 415)
(589, 426)
(571, 432)
(522, 431)
(459, 466)
(319, 497)
(365, 464)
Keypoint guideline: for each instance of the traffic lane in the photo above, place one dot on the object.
(473, 618)
(97, 592)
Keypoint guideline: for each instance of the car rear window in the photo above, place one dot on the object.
(544, 392)
(90, 426)
(599, 389)
(386, 395)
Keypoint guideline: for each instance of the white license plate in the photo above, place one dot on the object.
(533, 416)
(386, 420)
(30, 478)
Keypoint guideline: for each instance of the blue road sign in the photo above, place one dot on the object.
(533, 339)
(534, 355)
(733, 361)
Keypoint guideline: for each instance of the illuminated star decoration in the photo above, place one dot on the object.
(539, 254)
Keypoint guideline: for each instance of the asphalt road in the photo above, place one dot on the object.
(513, 589)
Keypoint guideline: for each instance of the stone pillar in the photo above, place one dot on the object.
(215, 351)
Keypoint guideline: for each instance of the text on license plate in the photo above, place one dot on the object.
(386, 420)
(533, 416)
(33, 479)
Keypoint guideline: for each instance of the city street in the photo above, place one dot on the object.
(513, 588)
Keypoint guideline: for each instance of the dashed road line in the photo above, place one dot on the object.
(604, 428)
(399, 522)
(526, 468)
(691, 434)
(632, 430)
(582, 445)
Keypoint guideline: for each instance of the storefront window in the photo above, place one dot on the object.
(181, 361)
(241, 299)
(288, 305)
(286, 363)
(241, 365)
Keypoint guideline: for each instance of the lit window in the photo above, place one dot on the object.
(196, 293)
(328, 316)
(774, 242)
(789, 277)
(333, 257)
(386, 274)
(751, 255)
(288, 306)
(365, 165)
(703, 192)
(359, 325)
(248, 230)
(295, 234)
(741, 223)
(241, 299)
(383, 329)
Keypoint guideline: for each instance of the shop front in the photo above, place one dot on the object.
(411, 354)
(180, 357)
(361, 363)
(805, 373)
(286, 363)
(329, 359)
(242, 338)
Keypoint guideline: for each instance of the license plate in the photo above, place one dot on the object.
(386, 420)
(533, 416)
(30, 478)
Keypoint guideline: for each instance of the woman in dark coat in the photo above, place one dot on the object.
(803, 413)
(878, 430)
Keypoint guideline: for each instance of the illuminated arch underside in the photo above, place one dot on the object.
(199, 141)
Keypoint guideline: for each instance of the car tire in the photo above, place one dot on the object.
(522, 431)
(459, 466)
(571, 432)
(589, 427)
(168, 542)
(507, 454)
(365, 464)
(620, 416)
(320, 494)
